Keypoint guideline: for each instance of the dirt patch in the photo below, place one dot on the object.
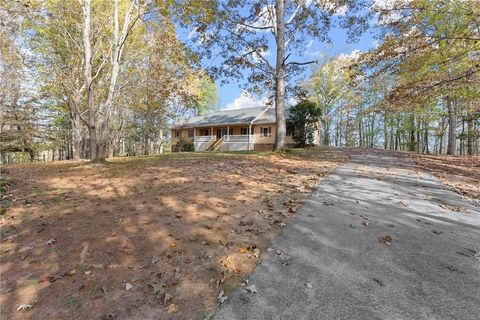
(145, 238)
(462, 173)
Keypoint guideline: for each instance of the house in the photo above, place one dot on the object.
(229, 130)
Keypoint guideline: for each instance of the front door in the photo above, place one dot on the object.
(221, 132)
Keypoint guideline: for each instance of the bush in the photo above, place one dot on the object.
(304, 117)
(185, 146)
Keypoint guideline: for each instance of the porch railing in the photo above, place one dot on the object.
(225, 143)
(202, 143)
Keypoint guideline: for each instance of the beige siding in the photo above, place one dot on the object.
(258, 138)
(183, 136)
(271, 138)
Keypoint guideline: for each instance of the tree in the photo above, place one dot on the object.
(329, 86)
(99, 114)
(430, 49)
(54, 37)
(304, 120)
(238, 32)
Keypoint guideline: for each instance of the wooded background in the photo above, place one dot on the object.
(100, 78)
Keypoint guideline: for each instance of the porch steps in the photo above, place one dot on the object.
(216, 144)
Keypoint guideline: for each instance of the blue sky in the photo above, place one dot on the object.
(232, 96)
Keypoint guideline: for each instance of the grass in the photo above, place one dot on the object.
(135, 207)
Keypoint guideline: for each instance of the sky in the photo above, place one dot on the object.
(233, 96)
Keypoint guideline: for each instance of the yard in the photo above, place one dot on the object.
(460, 173)
(145, 238)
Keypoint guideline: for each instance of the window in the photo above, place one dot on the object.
(191, 133)
(177, 133)
(244, 131)
(266, 131)
(206, 132)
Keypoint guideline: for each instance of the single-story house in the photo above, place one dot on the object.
(230, 130)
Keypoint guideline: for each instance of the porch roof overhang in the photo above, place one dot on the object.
(192, 126)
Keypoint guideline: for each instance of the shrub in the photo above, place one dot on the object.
(304, 117)
(185, 146)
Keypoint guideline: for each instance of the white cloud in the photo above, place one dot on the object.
(291, 101)
(315, 54)
(245, 100)
(354, 55)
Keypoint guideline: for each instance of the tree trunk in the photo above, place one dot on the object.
(76, 134)
(470, 133)
(146, 145)
(425, 138)
(360, 135)
(412, 133)
(385, 131)
(451, 127)
(92, 119)
(280, 133)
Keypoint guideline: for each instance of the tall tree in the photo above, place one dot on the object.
(239, 32)
(99, 113)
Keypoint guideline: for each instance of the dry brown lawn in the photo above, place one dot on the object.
(178, 228)
(462, 173)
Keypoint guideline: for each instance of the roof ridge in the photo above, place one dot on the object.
(260, 114)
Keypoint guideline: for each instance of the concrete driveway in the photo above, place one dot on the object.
(377, 240)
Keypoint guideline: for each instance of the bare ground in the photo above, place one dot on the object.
(178, 228)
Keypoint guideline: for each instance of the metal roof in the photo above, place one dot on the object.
(247, 116)
(268, 116)
(224, 117)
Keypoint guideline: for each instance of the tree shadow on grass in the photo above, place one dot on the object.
(178, 229)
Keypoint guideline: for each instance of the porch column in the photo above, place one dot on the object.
(228, 138)
(249, 136)
(194, 135)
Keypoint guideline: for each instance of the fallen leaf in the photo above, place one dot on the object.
(128, 286)
(222, 297)
(251, 288)
(84, 254)
(167, 297)
(386, 239)
(154, 259)
(24, 307)
(172, 308)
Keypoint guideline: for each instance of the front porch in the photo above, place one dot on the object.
(235, 138)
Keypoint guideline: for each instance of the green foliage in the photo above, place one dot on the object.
(185, 146)
(304, 118)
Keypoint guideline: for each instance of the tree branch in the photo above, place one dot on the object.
(301, 63)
